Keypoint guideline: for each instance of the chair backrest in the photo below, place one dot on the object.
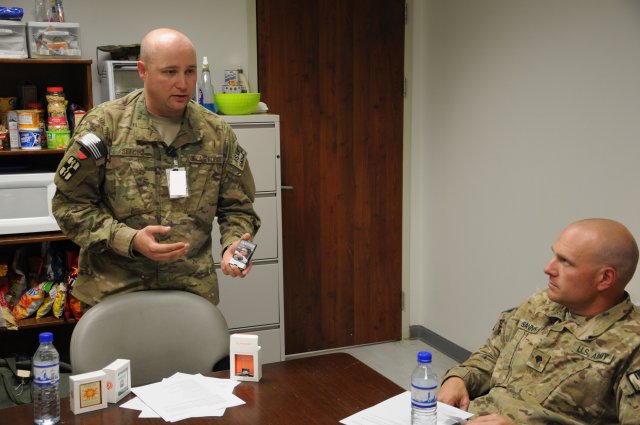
(161, 332)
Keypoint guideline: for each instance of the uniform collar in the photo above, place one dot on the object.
(191, 129)
(593, 327)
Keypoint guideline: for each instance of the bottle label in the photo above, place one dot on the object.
(424, 397)
(45, 374)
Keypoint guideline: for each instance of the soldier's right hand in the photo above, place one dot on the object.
(454, 393)
(146, 244)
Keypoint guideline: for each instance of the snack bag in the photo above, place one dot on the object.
(17, 279)
(60, 300)
(35, 270)
(48, 301)
(6, 318)
(30, 301)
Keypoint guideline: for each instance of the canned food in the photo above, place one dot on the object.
(30, 139)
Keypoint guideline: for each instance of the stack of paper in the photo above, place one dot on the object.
(397, 411)
(184, 396)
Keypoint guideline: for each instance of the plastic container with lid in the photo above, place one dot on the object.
(56, 109)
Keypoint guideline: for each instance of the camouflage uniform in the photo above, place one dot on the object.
(542, 366)
(108, 190)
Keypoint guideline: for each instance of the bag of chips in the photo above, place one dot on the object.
(47, 304)
(31, 300)
(6, 318)
(60, 300)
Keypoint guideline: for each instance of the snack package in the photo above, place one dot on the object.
(47, 304)
(6, 318)
(17, 278)
(73, 307)
(60, 300)
(35, 271)
(54, 265)
(30, 301)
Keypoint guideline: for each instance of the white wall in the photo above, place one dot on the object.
(223, 30)
(525, 118)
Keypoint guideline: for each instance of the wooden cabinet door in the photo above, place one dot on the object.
(333, 71)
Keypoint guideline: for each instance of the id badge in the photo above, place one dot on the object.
(177, 178)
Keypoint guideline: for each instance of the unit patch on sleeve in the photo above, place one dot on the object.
(239, 158)
(634, 379)
(94, 146)
(69, 168)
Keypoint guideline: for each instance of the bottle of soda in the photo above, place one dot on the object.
(205, 88)
(424, 386)
(45, 391)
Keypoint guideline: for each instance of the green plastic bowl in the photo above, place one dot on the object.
(237, 103)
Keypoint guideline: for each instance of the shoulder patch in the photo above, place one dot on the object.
(239, 158)
(69, 168)
(634, 380)
(94, 145)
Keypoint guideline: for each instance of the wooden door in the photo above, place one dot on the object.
(333, 70)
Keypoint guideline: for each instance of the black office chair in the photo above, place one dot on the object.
(161, 332)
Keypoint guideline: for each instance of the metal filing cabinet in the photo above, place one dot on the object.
(255, 304)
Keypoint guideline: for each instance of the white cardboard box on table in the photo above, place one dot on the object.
(245, 358)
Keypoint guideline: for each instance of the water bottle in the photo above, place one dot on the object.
(424, 386)
(46, 395)
(205, 88)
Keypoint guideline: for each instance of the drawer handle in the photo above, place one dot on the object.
(286, 187)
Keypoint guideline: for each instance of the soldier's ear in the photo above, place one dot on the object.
(606, 278)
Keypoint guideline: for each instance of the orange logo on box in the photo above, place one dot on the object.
(109, 385)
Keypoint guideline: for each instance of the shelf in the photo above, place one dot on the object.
(32, 322)
(32, 238)
(47, 61)
(44, 151)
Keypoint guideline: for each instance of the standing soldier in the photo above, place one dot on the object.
(143, 179)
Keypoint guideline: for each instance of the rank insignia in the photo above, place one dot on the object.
(69, 168)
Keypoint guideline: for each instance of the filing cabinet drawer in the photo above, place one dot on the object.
(253, 300)
(259, 140)
(267, 237)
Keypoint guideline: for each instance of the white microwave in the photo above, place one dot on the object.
(25, 203)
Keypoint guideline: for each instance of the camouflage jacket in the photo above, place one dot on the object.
(541, 366)
(112, 182)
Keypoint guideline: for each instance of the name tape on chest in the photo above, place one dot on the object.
(528, 327)
(93, 146)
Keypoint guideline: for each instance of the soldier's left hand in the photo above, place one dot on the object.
(230, 269)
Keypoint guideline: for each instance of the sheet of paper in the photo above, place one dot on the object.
(397, 411)
(183, 396)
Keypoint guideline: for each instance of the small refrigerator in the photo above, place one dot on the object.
(118, 79)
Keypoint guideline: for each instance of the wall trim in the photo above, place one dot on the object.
(438, 342)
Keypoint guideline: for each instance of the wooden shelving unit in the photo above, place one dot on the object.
(74, 75)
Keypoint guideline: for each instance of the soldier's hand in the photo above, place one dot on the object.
(454, 393)
(146, 244)
(231, 269)
(494, 419)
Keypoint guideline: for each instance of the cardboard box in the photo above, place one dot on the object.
(244, 358)
(88, 392)
(118, 379)
(54, 40)
(13, 43)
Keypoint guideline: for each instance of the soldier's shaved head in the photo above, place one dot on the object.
(613, 245)
(165, 38)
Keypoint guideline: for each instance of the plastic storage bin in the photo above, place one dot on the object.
(13, 40)
(53, 39)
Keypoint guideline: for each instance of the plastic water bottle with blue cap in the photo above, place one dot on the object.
(46, 377)
(424, 387)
